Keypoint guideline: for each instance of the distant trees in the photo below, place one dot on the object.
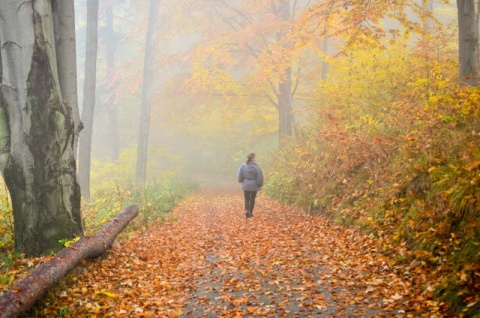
(38, 122)
(360, 18)
(110, 101)
(144, 128)
(85, 146)
(468, 42)
(285, 93)
(252, 53)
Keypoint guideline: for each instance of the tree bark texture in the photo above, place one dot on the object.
(64, 25)
(144, 128)
(40, 170)
(19, 299)
(468, 42)
(88, 109)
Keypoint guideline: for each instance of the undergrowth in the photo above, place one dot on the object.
(155, 200)
(396, 152)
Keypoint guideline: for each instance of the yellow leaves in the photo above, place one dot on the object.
(211, 74)
(463, 277)
(106, 293)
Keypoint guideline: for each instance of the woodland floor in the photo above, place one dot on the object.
(208, 260)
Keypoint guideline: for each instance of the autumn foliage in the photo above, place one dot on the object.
(394, 149)
(384, 159)
(207, 259)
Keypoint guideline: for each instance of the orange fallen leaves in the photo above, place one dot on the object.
(210, 259)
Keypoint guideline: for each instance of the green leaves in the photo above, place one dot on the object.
(67, 242)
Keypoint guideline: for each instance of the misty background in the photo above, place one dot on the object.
(211, 99)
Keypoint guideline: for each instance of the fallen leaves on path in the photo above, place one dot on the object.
(208, 260)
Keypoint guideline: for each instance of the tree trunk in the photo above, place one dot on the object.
(64, 25)
(111, 46)
(468, 42)
(19, 299)
(146, 95)
(285, 96)
(325, 51)
(85, 150)
(477, 19)
(4, 129)
(285, 107)
(41, 172)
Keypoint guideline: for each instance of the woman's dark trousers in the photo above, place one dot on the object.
(249, 202)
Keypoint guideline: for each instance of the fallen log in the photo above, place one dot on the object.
(20, 298)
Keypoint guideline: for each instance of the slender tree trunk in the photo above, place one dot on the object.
(64, 25)
(111, 46)
(4, 128)
(285, 100)
(41, 172)
(325, 51)
(427, 46)
(285, 96)
(477, 18)
(85, 150)
(146, 94)
(468, 42)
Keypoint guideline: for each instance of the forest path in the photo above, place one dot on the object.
(208, 260)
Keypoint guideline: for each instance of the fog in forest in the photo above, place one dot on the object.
(220, 72)
(363, 116)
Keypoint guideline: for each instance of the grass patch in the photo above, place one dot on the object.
(155, 201)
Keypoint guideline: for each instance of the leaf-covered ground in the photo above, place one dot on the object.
(208, 260)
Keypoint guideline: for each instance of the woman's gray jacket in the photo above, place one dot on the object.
(251, 176)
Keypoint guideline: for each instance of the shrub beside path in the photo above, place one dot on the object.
(208, 260)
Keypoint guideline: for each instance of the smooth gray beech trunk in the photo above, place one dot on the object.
(111, 47)
(64, 26)
(37, 130)
(144, 128)
(468, 42)
(88, 109)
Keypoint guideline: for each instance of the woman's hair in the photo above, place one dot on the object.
(250, 157)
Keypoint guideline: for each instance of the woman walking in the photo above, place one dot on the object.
(251, 177)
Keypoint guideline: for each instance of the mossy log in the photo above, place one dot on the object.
(20, 298)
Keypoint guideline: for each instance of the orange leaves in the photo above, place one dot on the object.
(211, 260)
(472, 165)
